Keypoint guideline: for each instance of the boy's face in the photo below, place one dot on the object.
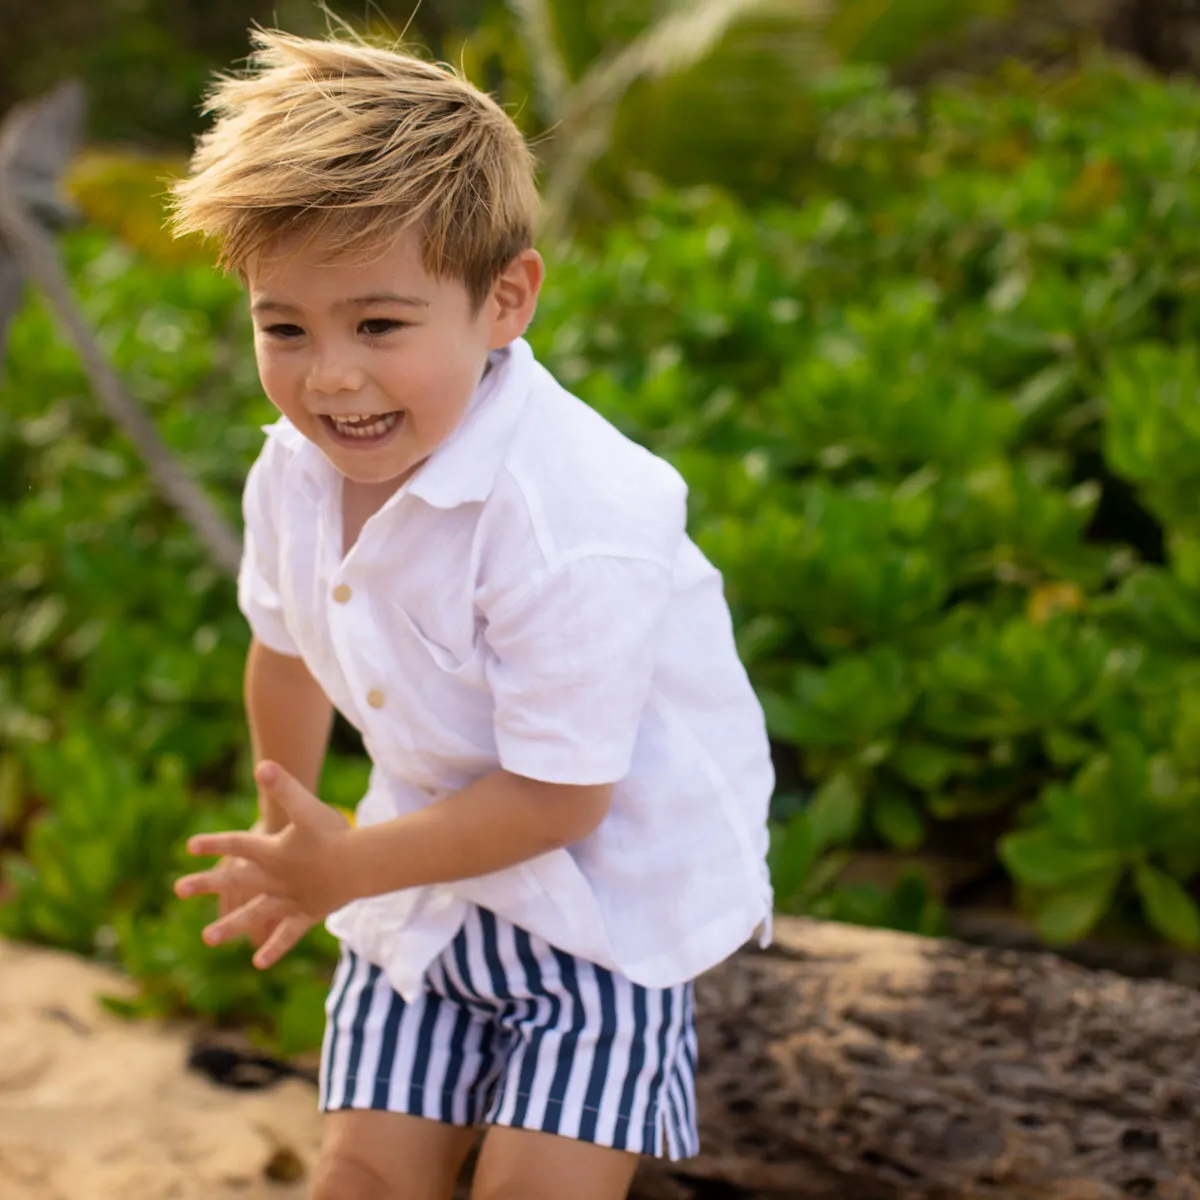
(375, 362)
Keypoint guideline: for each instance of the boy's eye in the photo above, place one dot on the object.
(283, 331)
(377, 326)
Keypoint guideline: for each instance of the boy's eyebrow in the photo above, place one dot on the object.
(267, 305)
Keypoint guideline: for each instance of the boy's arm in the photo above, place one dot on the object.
(290, 719)
(496, 822)
(319, 863)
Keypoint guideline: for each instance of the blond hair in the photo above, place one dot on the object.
(352, 144)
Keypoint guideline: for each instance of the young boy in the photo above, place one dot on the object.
(566, 819)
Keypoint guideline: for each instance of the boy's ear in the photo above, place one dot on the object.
(513, 298)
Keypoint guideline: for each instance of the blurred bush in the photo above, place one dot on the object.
(144, 61)
(693, 91)
(940, 424)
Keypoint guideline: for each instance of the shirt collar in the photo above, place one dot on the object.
(464, 467)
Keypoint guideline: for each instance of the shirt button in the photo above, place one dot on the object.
(342, 593)
(375, 698)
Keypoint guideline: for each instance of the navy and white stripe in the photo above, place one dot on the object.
(512, 1031)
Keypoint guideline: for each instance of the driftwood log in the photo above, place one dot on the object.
(869, 1065)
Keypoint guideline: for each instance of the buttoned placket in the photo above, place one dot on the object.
(349, 614)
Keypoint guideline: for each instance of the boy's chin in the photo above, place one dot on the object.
(381, 473)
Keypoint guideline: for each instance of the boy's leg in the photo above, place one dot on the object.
(372, 1155)
(404, 1085)
(524, 1164)
(600, 1071)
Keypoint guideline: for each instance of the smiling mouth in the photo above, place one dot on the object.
(367, 427)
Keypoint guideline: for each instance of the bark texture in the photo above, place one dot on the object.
(870, 1065)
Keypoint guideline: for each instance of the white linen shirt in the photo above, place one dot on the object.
(530, 600)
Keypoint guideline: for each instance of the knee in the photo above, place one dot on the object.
(343, 1177)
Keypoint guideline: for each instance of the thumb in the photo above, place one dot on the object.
(295, 800)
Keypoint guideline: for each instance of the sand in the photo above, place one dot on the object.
(93, 1107)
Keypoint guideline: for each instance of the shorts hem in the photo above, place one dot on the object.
(448, 1097)
(651, 1144)
(644, 1147)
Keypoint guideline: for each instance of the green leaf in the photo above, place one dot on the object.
(824, 875)
(1067, 812)
(836, 811)
(912, 907)
(38, 623)
(1069, 914)
(854, 904)
(1168, 906)
(783, 715)
(1066, 749)
(897, 820)
(793, 849)
(1040, 859)
(1043, 390)
(925, 765)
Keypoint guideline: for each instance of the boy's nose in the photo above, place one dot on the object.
(328, 377)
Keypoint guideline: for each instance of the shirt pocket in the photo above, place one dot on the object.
(446, 713)
(464, 664)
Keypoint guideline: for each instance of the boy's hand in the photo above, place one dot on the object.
(297, 876)
(238, 897)
(273, 926)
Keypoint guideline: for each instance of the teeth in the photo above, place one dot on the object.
(354, 427)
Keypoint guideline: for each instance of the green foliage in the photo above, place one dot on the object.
(937, 425)
(100, 846)
(147, 62)
(940, 426)
(156, 664)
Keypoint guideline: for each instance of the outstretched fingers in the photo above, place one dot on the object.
(287, 933)
(257, 919)
(244, 878)
(257, 847)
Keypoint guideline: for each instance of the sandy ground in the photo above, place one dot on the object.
(96, 1108)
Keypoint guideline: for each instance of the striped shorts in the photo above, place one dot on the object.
(511, 1031)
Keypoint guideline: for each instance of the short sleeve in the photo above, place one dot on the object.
(570, 665)
(258, 576)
